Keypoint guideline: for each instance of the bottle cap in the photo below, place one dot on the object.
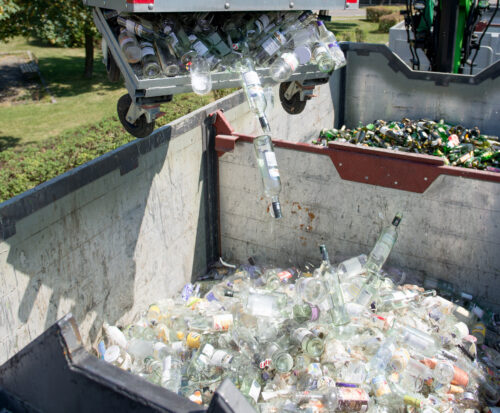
(277, 209)
(397, 219)
(303, 54)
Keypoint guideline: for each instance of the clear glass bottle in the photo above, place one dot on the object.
(150, 65)
(201, 78)
(202, 50)
(338, 311)
(383, 246)
(118, 357)
(321, 57)
(352, 267)
(268, 168)
(130, 46)
(309, 343)
(331, 41)
(254, 92)
(137, 28)
(277, 358)
(284, 67)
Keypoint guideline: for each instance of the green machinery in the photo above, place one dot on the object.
(446, 30)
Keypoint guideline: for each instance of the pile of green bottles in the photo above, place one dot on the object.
(457, 145)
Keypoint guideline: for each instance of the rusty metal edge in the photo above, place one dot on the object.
(431, 166)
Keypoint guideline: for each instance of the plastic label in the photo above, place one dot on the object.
(130, 26)
(146, 51)
(271, 162)
(380, 386)
(290, 60)
(174, 39)
(200, 48)
(220, 357)
(352, 399)
(265, 363)
(301, 333)
(284, 276)
(251, 79)
(222, 322)
(271, 46)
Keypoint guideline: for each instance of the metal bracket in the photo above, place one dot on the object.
(136, 111)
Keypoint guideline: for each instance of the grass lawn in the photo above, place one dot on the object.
(79, 101)
(359, 30)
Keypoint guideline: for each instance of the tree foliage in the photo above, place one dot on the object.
(58, 22)
(65, 23)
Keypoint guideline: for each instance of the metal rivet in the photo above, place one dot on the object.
(425, 178)
(227, 5)
(292, 4)
(150, 6)
(366, 178)
(340, 163)
(395, 182)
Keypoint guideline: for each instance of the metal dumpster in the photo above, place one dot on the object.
(108, 238)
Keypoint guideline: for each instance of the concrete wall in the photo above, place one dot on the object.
(105, 245)
(450, 231)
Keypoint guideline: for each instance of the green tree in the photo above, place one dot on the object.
(65, 23)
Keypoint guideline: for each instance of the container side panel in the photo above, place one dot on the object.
(108, 249)
(380, 86)
(450, 231)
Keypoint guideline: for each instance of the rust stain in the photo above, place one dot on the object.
(294, 212)
(309, 228)
(311, 216)
(261, 198)
(268, 209)
(301, 226)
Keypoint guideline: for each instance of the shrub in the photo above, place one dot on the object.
(360, 35)
(373, 14)
(386, 22)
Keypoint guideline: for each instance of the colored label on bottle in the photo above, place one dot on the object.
(193, 340)
(301, 333)
(412, 401)
(220, 358)
(196, 397)
(130, 26)
(173, 39)
(265, 363)
(284, 276)
(222, 322)
(314, 312)
(400, 359)
(352, 399)
(460, 377)
(380, 386)
(200, 48)
(290, 60)
(147, 50)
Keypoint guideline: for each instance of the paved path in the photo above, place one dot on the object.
(348, 13)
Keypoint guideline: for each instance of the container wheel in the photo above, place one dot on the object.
(140, 128)
(112, 68)
(294, 105)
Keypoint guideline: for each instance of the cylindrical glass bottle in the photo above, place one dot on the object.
(150, 65)
(309, 343)
(268, 168)
(130, 46)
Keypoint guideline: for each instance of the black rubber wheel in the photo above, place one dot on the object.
(294, 106)
(112, 68)
(140, 128)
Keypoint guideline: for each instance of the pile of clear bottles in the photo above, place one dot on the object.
(336, 338)
(169, 44)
